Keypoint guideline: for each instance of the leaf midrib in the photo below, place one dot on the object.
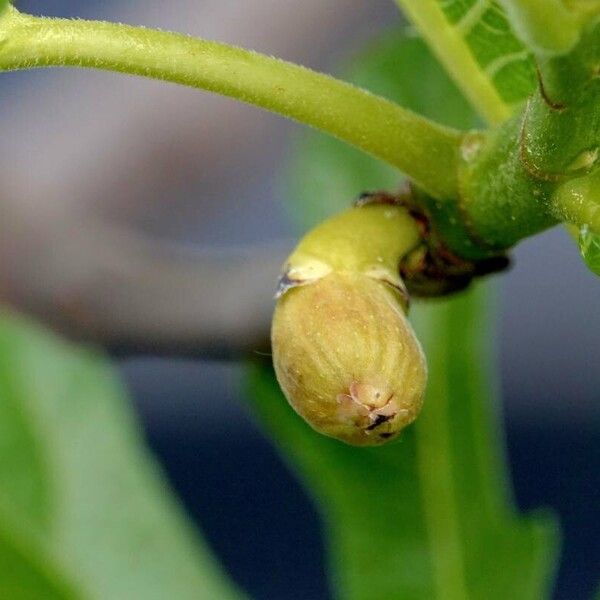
(439, 498)
(454, 53)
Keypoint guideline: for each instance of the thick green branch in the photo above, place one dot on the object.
(423, 150)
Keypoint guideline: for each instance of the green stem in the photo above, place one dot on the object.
(423, 150)
(453, 52)
(547, 26)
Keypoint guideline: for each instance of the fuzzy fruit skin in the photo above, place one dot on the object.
(347, 359)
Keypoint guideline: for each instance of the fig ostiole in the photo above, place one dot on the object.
(344, 353)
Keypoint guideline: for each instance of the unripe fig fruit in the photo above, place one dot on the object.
(347, 359)
(344, 352)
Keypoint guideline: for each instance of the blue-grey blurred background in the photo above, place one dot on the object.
(205, 171)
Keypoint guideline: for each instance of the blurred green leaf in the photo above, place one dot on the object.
(589, 246)
(26, 571)
(503, 58)
(80, 500)
(430, 516)
(474, 40)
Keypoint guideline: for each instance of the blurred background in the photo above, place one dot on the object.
(118, 159)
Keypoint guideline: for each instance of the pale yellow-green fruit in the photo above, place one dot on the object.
(347, 359)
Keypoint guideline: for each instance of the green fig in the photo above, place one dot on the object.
(344, 352)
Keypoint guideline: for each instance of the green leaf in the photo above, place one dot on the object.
(430, 516)
(26, 571)
(589, 246)
(475, 42)
(80, 500)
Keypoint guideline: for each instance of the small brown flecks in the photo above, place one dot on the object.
(551, 104)
(379, 420)
(400, 290)
(533, 170)
(386, 436)
(378, 197)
